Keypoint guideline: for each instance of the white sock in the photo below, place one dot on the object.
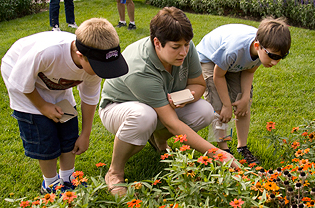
(132, 23)
(49, 181)
(65, 174)
(122, 21)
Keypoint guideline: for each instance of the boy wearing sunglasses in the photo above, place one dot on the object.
(229, 56)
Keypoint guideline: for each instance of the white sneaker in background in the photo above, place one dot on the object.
(56, 28)
(74, 25)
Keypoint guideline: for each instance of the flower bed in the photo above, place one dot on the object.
(195, 180)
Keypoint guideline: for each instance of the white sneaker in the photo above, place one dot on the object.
(56, 28)
(74, 25)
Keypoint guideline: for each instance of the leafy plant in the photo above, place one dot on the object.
(195, 180)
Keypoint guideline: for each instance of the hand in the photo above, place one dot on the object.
(51, 111)
(228, 158)
(241, 107)
(226, 114)
(81, 145)
(177, 106)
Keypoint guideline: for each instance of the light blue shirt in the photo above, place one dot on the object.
(228, 46)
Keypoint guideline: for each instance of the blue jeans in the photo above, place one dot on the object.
(54, 7)
(43, 139)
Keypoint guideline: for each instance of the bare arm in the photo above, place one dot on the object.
(246, 84)
(49, 110)
(221, 86)
(82, 143)
(175, 126)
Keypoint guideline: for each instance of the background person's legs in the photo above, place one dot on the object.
(54, 7)
(121, 12)
(69, 10)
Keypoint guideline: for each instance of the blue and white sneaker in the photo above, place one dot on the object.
(51, 188)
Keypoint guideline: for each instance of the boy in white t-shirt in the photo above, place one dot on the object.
(229, 56)
(39, 71)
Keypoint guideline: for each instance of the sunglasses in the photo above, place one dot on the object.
(275, 56)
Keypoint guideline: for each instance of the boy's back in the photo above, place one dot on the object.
(44, 60)
(228, 46)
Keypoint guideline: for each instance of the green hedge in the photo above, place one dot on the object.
(11, 9)
(298, 12)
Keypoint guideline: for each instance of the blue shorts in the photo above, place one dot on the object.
(43, 139)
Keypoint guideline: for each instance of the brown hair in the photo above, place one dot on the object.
(170, 24)
(274, 34)
(97, 33)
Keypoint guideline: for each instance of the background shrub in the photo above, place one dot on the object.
(298, 12)
(11, 9)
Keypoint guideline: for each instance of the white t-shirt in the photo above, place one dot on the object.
(43, 61)
(228, 46)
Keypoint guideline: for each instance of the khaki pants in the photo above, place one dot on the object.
(134, 122)
(233, 80)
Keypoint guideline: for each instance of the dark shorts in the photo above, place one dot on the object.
(43, 139)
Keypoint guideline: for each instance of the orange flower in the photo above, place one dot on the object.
(156, 182)
(25, 204)
(307, 150)
(299, 153)
(305, 134)
(184, 148)
(79, 174)
(59, 187)
(252, 165)
(221, 156)
(36, 202)
(213, 150)
(295, 145)
(257, 187)
(180, 138)
(271, 186)
(237, 203)
(163, 206)
(191, 173)
(49, 198)
(295, 160)
(243, 161)
(306, 199)
(173, 205)
(137, 185)
(100, 164)
(270, 125)
(163, 157)
(303, 162)
(294, 129)
(70, 196)
(204, 160)
(134, 203)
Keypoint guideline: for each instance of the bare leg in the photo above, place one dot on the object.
(130, 10)
(121, 10)
(161, 137)
(242, 129)
(48, 167)
(121, 153)
(67, 161)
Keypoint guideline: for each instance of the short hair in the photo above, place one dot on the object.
(97, 33)
(274, 34)
(170, 24)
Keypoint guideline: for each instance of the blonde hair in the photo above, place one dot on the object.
(97, 33)
(274, 34)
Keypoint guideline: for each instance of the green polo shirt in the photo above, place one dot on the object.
(147, 80)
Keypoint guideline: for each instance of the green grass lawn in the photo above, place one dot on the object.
(283, 94)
